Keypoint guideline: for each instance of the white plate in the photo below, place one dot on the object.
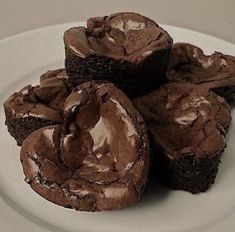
(22, 59)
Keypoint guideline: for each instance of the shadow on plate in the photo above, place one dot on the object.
(154, 193)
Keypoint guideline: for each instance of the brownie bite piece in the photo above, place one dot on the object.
(187, 124)
(98, 160)
(127, 49)
(188, 63)
(34, 107)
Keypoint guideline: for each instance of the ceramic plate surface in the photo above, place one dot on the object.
(22, 59)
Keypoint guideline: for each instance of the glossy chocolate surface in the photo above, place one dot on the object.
(44, 101)
(186, 119)
(128, 36)
(188, 63)
(98, 160)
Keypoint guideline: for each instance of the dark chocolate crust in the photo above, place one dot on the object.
(38, 106)
(131, 79)
(187, 126)
(135, 76)
(216, 72)
(188, 173)
(20, 128)
(95, 161)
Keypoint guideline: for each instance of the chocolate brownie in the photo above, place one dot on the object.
(98, 160)
(187, 124)
(127, 49)
(36, 106)
(188, 63)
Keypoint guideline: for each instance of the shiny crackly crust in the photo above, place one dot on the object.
(135, 78)
(21, 117)
(194, 167)
(188, 63)
(60, 192)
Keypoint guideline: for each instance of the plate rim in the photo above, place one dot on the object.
(46, 28)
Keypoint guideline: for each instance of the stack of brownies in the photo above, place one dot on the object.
(130, 105)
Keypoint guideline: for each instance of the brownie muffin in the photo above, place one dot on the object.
(36, 106)
(98, 160)
(127, 49)
(216, 71)
(187, 124)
